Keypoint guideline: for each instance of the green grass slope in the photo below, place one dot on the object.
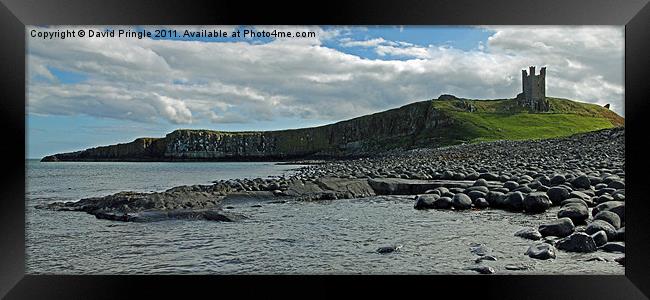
(502, 119)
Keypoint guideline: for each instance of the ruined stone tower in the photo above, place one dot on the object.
(533, 93)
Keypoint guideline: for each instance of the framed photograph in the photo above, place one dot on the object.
(435, 144)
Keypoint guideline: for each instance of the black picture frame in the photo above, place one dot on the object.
(16, 14)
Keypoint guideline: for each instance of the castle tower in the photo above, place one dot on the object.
(533, 88)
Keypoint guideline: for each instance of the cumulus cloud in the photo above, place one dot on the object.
(238, 81)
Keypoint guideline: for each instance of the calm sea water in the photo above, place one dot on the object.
(331, 237)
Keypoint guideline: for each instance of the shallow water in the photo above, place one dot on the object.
(333, 237)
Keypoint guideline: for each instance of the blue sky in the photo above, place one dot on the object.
(89, 92)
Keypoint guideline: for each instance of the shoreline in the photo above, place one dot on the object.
(583, 175)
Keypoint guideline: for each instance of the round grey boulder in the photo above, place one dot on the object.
(482, 269)
(577, 242)
(425, 201)
(581, 182)
(481, 203)
(557, 194)
(529, 233)
(600, 238)
(558, 179)
(541, 251)
(476, 194)
(609, 205)
(603, 198)
(614, 247)
(442, 203)
(561, 227)
(461, 201)
(578, 213)
(610, 218)
(536, 202)
(496, 199)
(599, 225)
(480, 182)
(616, 184)
(510, 185)
(514, 201)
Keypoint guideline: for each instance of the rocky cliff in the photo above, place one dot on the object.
(355, 137)
(427, 123)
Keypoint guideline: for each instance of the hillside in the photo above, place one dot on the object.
(444, 121)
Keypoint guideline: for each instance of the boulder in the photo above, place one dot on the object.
(536, 202)
(425, 201)
(557, 179)
(610, 218)
(600, 238)
(614, 247)
(561, 228)
(620, 234)
(616, 184)
(578, 213)
(557, 194)
(577, 242)
(511, 185)
(496, 199)
(541, 251)
(481, 203)
(529, 233)
(599, 225)
(514, 201)
(581, 182)
(442, 203)
(461, 201)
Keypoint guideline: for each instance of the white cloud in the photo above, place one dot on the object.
(183, 82)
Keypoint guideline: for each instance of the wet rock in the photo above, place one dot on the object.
(603, 198)
(529, 233)
(510, 185)
(557, 179)
(577, 242)
(475, 195)
(578, 213)
(599, 225)
(620, 234)
(581, 182)
(557, 194)
(496, 199)
(425, 201)
(479, 249)
(481, 182)
(481, 203)
(610, 218)
(600, 238)
(442, 203)
(536, 202)
(514, 201)
(482, 269)
(541, 251)
(486, 257)
(609, 205)
(616, 184)
(561, 228)
(461, 202)
(614, 247)
(388, 249)
(620, 260)
(519, 267)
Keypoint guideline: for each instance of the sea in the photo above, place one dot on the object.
(319, 237)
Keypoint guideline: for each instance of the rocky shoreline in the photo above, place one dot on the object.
(583, 174)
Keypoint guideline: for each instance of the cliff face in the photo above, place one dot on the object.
(356, 137)
(445, 121)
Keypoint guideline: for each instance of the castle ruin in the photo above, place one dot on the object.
(533, 95)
